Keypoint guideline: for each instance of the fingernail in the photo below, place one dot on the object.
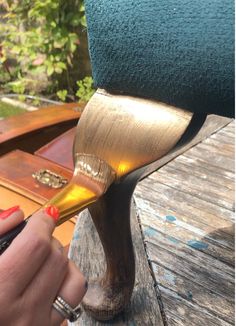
(8, 212)
(53, 212)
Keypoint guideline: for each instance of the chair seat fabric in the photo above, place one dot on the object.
(178, 52)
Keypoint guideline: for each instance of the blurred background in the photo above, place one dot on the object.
(44, 52)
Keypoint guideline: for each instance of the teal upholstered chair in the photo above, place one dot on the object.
(180, 53)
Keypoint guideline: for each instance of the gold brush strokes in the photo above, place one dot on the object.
(116, 135)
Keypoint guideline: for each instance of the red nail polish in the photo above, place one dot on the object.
(53, 212)
(8, 212)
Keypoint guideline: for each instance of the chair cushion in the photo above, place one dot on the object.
(178, 52)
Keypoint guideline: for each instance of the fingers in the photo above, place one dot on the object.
(44, 220)
(10, 218)
(29, 250)
(48, 280)
(72, 291)
(38, 265)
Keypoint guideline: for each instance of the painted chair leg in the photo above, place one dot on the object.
(108, 296)
(128, 133)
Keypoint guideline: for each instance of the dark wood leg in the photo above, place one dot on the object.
(108, 296)
(128, 141)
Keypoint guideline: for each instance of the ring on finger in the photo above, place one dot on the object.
(72, 314)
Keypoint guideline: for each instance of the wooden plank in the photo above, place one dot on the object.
(187, 205)
(220, 137)
(184, 249)
(206, 172)
(86, 251)
(197, 295)
(16, 126)
(231, 126)
(231, 136)
(185, 193)
(60, 150)
(215, 160)
(200, 185)
(167, 217)
(203, 176)
(207, 191)
(197, 273)
(183, 232)
(186, 211)
(32, 130)
(224, 150)
(184, 237)
(201, 162)
(219, 143)
(212, 124)
(187, 314)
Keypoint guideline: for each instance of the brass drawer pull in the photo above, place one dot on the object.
(50, 178)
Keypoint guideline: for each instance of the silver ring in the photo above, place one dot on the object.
(72, 314)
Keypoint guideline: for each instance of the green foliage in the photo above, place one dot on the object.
(62, 94)
(41, 37)
(85, 90)
(17, 86)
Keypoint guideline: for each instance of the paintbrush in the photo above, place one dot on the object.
(115, 136)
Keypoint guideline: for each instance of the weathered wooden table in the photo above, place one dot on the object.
(183, 234)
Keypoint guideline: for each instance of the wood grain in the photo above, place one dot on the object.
(156, 213)
(60, 149)
(220, 195)
(212, 124)
(15, 126)
(18, 186)
(186, 313)
(186, 210)
(32, 130)
(16, 169)
(221, 162)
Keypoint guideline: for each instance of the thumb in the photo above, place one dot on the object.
(44, 220)
(10, 218)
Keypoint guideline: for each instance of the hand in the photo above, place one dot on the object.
(33, 271)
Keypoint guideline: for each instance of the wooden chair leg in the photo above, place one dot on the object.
(128, 134)
(108, 296)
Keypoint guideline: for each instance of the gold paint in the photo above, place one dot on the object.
(128, 132)
(123, 168)
(116, 135)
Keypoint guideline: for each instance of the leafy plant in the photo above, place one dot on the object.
(62, 94)
(85, 90)
(41, 38)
